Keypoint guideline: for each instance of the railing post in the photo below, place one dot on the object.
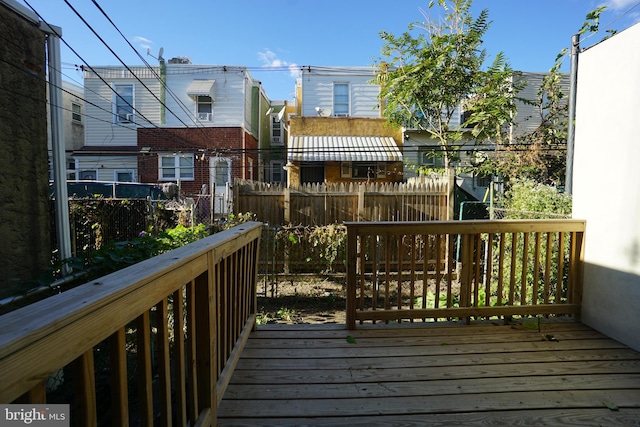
(352, 258)
(466, 256)
(206, 343)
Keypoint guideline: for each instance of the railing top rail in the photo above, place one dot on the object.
(24, 326)
(468, 227)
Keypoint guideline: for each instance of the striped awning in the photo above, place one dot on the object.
(201, 88)
(343, 149)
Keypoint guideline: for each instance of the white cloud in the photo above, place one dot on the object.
(270, 60)
(620, 4)
(143, 42)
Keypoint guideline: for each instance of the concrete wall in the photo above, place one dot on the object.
(24, 193)
(605, 184)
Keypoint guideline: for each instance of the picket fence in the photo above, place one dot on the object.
(322, 203)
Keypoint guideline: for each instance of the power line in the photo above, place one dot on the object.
(162, 82)
(125, 65)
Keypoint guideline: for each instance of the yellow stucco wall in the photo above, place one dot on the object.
(344, 126)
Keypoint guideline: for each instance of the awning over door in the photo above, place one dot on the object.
(343, 149)
(201, 88)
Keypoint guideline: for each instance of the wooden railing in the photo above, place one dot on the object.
(462, 269)
(157, 341)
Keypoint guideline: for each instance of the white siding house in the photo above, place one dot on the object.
(339, 92)
(173, 109)
(228, 88)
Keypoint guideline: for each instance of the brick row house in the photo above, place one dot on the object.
(199, 126)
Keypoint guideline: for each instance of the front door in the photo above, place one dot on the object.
(220, 168)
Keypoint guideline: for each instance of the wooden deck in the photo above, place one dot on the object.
(318, 375)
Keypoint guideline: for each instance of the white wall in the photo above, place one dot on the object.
(231, 95)
(605, 184)
(317, 90)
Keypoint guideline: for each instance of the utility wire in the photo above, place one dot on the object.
(122, 62)
(163, 83)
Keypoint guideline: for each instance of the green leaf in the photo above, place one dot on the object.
(351, 340)
(611, 406)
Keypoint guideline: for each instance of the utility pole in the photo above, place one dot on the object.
(573, 83)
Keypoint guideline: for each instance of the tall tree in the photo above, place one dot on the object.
(437, 66)
(540, 155)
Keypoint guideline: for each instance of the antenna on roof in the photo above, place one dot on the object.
(160, 53)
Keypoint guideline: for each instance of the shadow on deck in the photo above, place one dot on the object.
(564, 374)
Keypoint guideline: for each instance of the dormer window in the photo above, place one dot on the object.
(341, 99)
(204, 108)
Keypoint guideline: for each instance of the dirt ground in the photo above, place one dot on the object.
(301, 299)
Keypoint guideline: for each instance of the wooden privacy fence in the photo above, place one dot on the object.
(444, 270)
(157, 340)
(322, 204)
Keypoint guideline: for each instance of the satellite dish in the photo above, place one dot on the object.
(160, 53)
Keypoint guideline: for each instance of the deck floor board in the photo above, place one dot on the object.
(564, 374)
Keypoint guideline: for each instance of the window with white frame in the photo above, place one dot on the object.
(277, 171)
(341, 99)
(120, 175)
(176, 167)
(76, 112)
(428, 157)
(204, 108)
(123, 103)
(276, 130)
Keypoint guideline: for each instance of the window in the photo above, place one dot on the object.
(276, 131)
(277, 171)
(176, 167)
(123, 103)
(76, 112)
(124, 176)
(345, 170)
(360, 170)
(464, 117)
(205, 108)
(311, 173)
(429, 158)
(88, 174)
(483, 180)
(340, 99)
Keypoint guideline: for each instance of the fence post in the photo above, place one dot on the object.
(361, 202)
(451, 179)
(287, 205)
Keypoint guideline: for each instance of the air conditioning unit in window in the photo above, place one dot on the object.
(276, 140)
(204, 117)
(129, 118)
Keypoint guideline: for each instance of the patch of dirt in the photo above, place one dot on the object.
(301, 299)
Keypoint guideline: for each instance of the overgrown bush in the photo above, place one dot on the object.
(529, 196)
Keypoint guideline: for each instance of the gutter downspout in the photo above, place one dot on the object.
(63, 227)
(575, 50)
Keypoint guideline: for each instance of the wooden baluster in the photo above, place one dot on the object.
(525, 265)
(145, 386)
(164, 362)
(84, 390)
(179, 357)
(192, 391)
(118, 374)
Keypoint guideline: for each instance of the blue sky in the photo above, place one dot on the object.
(288, 34)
